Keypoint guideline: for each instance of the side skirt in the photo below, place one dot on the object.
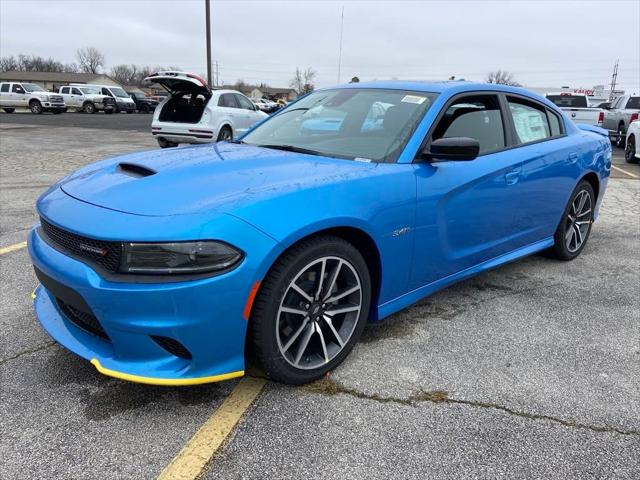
(397, 304)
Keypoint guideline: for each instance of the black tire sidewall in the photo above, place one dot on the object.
(265, 309)
(89, 108)
(36, 107)
(630, 150)
(560, 247)
(220, 134)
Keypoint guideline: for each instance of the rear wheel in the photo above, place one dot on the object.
(166, 144)
(144, 108)
(36, 107)
(89, 107)
(573, 231)
(630, 150)
(310, 310)
(9, 110)
(225, 134)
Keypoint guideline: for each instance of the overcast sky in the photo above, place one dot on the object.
(544, 43)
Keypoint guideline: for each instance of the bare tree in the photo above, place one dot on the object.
(302, 81)
(33, 63)
(126, 74)
(8, 64)
(90, 59)
(503, 77)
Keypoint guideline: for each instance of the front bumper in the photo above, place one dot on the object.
(204, 315)
(126, 107)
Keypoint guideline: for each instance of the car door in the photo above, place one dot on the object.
(466, 210)
(5, 94)
(247, 112)
(76, 97)
(611, 116)
(18, 95)
(551, 165)
(228, 111)
(64, 91)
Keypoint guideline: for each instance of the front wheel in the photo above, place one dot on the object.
(9, 110)
(36, 107)
(89, 107)
(310, 310)
(575, 226)
(630, 150)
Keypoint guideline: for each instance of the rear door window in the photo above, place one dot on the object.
(4, 87)
(529, 121)
(64, 90)
(228, 100)
(474, 116)
(554, 124)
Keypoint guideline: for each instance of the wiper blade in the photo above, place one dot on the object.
(291, 148)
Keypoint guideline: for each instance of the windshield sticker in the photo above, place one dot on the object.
(360, 159)
(413, 99)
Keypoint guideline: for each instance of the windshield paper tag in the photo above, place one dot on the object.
(413, 99)
(360, 159)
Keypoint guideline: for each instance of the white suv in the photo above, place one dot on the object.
(192, 113)
(29, 95)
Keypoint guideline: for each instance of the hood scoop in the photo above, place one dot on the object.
(135, 171)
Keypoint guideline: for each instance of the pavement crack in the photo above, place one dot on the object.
(328, 386)
(27, 352)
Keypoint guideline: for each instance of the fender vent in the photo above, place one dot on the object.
(133, 170)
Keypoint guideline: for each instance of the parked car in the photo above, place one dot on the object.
(165, 267)
(632, 148)
(122, 98)
(193, 113)
(29, 95)
(143, 103)
(624, 110)
(260, 103)
(87, 98)
(576, 106)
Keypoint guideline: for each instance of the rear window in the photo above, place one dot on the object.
(634, 102)
(568, 101)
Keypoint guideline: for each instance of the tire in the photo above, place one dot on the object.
(630, 150)
(166, 144)
(575, 224)
(36, 107)
(144, 108)
(297, 348)
(9, 110)
(621, 138)
(89, 107)
(225, 134)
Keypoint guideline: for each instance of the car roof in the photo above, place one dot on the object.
(448, 87)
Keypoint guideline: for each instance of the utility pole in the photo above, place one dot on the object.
(207, 8)
(340, 47)
(614, 77)
(217, 75)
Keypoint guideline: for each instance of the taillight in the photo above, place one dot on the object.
(197, 77)
(634, 117)
(600, 118)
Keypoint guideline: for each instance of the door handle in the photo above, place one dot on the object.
(573, 157)
(512, 177)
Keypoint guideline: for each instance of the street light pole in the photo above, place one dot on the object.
(207, 8)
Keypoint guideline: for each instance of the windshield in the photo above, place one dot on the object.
(368, 124)
(32, 87)
(90, 90)
(569, 101)
(118, 92)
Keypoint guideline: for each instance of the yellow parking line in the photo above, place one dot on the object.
(195, 455)
(625, 172)
(12, 248)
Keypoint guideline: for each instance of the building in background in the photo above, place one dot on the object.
(52, 81)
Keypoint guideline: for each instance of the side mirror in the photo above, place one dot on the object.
(452, 148)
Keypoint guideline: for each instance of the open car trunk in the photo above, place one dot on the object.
(189, 95)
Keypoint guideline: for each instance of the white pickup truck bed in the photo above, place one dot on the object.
(576, 106)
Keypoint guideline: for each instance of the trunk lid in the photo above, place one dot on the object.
(179, 82)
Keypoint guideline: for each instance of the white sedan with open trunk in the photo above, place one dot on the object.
(193, 113)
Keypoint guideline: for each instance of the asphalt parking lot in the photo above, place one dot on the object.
(531, 370)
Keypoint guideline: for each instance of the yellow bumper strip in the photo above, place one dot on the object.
(33, 294)
(164, 381)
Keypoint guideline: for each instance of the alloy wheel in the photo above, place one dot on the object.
(318, 312)
(578, 221)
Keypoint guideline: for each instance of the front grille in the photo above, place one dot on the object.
(55, 98)
(83, 320)
(105, 254)
(172, 346)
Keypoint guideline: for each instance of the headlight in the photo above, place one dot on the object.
(45, 98)
(178, 257)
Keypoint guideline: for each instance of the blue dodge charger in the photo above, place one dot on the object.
(170, 267)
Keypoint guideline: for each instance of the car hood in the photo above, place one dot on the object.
(222, 177)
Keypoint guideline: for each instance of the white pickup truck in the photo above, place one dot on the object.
(623, 111)
(576, 106)
(29, 95)
(87, 98)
